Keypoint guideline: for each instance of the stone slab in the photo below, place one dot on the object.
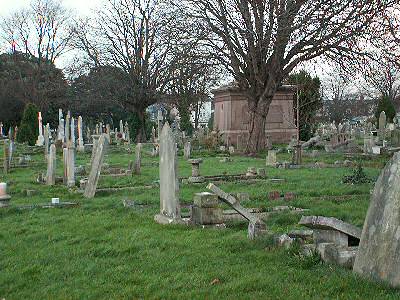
(206, 215)
(318, 222)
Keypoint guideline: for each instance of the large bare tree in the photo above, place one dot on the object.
(136, 36)
(261, 42)
(40, 30)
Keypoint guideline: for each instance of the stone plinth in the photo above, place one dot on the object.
(196, 177)
(205, 210)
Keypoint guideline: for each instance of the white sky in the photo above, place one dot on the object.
(81, 7)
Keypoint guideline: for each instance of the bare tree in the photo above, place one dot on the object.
(136, 36)
(41, 30)
(261, 42)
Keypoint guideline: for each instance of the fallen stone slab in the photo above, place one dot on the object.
(327, 223)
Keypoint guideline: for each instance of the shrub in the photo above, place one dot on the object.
(29, 128)
(386, 105)
(358, 176)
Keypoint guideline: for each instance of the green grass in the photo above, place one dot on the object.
(101, 250)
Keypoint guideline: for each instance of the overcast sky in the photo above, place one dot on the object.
(81, 7)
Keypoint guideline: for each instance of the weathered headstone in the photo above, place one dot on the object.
(187, 150)
(81, 146)
(170, 210)
(94, 175)
(51, 166)
(46, 140)
(73, 132)
(382, 125)
(196, 177)
(71, 165)
(271, 158)
(4, 197)
(378, 255)
(65, 166)
(138, 158)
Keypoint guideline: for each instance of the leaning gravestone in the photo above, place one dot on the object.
(170, 210)
(90, 189)
(378, 255)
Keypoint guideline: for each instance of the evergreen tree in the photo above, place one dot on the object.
(29, 128)
(386, 105)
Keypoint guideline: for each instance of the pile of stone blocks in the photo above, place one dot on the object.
(205, 210)
(336, 241)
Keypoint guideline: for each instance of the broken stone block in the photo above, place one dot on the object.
(285, 241)
(205, 199)
(206, 215)
(256, 229)
(327, 223)
(340, 255)
(330, 236)
(301, 234)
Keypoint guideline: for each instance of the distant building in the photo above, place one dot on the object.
(231, 115)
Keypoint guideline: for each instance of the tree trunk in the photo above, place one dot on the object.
(141, 134)
(258, 112)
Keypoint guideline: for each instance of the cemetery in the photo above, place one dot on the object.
(199, 149)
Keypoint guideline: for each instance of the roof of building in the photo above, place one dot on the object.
(233, 86)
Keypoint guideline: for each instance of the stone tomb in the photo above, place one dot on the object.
(378, 255)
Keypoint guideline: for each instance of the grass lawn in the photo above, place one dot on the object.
(103, 250)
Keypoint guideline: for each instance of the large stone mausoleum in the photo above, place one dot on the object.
(231, 115)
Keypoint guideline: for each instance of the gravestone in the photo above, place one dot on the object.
(271, 158)
(378, 255)
(196, 177)
(81, 146)
(6, 159)
(4, 197)
(382, 126)
(46, 140)
(71, 165)
(94, 175)
(73, 131)
(51, 166)
(94, 148)
(138, 158)
(65, 164)
(170, 210)
(187, 150)
(40, 139)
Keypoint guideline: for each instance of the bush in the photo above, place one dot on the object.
(29, 128)
(358, 176)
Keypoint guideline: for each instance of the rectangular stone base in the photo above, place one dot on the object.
(206, 215)
(165, 220)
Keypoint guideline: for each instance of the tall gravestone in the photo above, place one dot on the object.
(378, 254)
(138, 158)
(65, 165)
(81, 146)
(90, 189)
(73, 140)
(51, 166)
(170, 211)
(382, 125)
(46, 140)
(70, 165)
(6, 161)
(40, 140)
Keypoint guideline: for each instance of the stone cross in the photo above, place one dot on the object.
(51, 166)
(94, 175)
(378, 252)
(40, 140)
(170, 210)
(81, 145)
(138, 158)
(187, 150)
